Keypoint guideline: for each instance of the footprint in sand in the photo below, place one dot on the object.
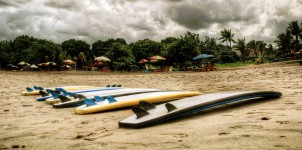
(282, 122)
(282, 146)
(265, 118)
(247, 127)
(82, 136)
(223, 133)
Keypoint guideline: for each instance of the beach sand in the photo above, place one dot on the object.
(266, 124)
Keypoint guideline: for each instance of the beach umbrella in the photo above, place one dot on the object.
(102, 59)
(33, 66)
(143, 61)
(203, 56)
(10, 65)
(156, 58)
(68, 61)
(22, 63)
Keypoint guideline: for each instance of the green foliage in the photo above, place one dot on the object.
(295, 30)
(284, 41)
(242, 47)
(100, 48)
(74, 47)
(143, 49)
(227, 36)
(121, 56)
(209, 46)
(5, 53)
(82, 59)
(184, 49)
(126, 57)
(236, 64)
(226, 55)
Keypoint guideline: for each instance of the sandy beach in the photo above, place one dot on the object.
(266, 124)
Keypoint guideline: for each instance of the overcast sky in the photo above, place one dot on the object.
(92, 20)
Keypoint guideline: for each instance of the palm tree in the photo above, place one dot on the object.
(261, 46)
(241, 46)
(252, 46)
(82, 58)
(227, 36)
(269, 50)
(295, 30)
(284, 41)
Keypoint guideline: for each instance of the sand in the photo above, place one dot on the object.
(267, 124)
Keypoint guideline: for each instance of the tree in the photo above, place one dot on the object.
(82, 60)
(185, 48)
(121, 56)
(226, 55)
(227, 37)
(21, 47)
(99, 48)
(241, 46)
(209, 46)
(284, 41)
(261, 45)
(295, 30)
(74, 47)
(252, 48)
(143, 49)
(43, 48)
(269, 51)
(5, 53)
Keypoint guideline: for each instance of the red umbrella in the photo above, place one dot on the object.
(156, 58)
(143, 61)
(68, 61)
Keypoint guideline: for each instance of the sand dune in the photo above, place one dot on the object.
(269, 124)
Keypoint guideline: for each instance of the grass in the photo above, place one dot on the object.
(235, 64)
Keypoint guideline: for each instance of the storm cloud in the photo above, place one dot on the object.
(92, 20)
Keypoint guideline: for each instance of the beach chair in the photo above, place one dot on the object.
(211, 67)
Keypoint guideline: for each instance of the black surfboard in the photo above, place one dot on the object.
(148, 114)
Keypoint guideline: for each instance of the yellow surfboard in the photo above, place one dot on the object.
(131, 100)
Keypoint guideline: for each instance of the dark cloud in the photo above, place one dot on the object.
(93, 20)
(13, 3)
(200, 15)
(62, 4)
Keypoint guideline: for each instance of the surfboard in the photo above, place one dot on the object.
(56, 97)
(52, 96)
(148, 114)
(66, 102)
(131, 100)
(36, 91)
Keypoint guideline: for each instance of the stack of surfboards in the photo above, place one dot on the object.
(109, 103)
(177, 103)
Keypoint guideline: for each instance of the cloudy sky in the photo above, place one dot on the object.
(92, 20)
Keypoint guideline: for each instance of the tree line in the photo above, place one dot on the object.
(125, 56)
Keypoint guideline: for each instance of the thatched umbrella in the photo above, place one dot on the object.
(22, 63)
(102, 59)
(33, 66)
(143, 61)
(68, 61)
